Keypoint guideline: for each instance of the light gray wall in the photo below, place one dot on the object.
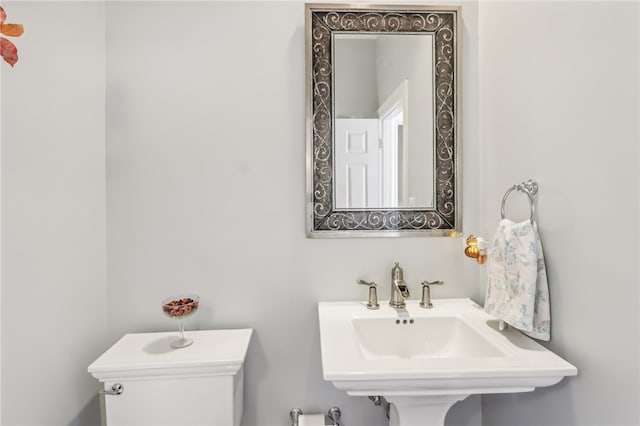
(206, 169)
(53, 214)
(553, 108)
(200, 143)
(559, 91)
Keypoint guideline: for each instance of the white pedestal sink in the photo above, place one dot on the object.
(425, 360)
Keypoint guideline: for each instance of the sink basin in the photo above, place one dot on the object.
(424, 360)
(424, 337)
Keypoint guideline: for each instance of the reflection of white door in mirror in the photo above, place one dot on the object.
(357, 164)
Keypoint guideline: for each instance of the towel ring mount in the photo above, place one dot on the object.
(530, 188)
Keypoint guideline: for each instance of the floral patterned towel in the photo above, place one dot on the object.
(517, 288)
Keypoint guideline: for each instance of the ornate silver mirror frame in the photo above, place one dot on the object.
(324, 219)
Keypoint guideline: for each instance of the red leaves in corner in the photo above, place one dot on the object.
(8, 50)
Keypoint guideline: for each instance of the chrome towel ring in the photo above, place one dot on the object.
(530, 188)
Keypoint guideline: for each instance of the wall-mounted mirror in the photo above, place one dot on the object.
(382, 122)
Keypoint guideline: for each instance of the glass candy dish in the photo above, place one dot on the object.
(181, 307)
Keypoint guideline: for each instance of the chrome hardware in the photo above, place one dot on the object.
(294, 414)
(530, 188)
(373, 294)
(399, 289)
(426, 293)
(334, 415)
(502, 326)
(376, 400)
(116, 389)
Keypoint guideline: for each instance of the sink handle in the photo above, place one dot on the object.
(426, 293)
(373, 294)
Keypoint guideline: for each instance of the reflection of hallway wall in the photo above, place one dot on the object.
(397, 60)
(356, 92)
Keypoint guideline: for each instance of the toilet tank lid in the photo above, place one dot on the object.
(138, 355)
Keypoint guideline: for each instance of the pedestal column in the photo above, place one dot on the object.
(420, 410)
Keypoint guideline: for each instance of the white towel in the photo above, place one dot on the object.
(517, 288)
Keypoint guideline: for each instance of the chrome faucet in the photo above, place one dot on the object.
(399, 289)
(426, 293)
(373, 294)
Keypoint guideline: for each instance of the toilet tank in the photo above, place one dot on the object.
(201, 384)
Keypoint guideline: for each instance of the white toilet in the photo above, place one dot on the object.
(147, 382)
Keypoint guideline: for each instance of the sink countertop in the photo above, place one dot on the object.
(517, 358)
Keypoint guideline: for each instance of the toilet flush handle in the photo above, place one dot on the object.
(116, 389)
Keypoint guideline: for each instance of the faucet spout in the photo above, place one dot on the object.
(399, 288)
(402, 287)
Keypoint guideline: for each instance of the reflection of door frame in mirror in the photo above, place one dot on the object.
(323, 23)
(393, 113)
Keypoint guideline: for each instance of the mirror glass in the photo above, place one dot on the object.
(383, 159)
(382, 155)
